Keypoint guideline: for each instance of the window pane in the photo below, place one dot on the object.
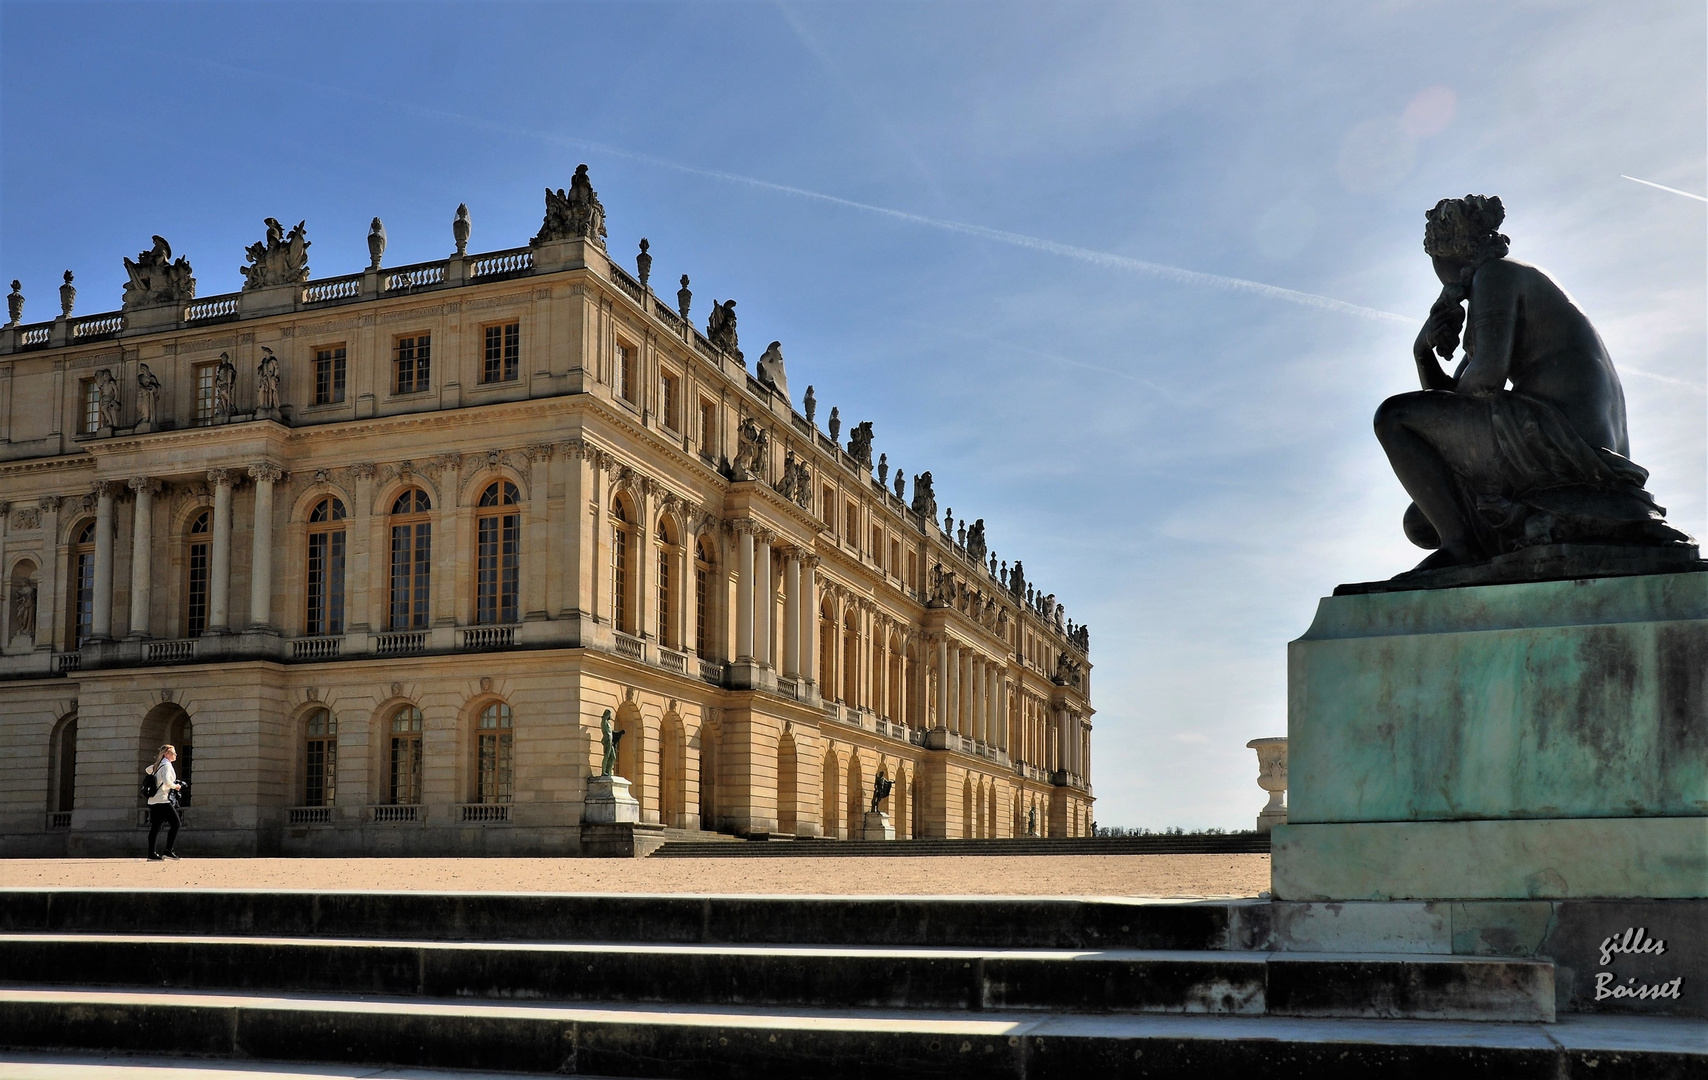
(196, 607)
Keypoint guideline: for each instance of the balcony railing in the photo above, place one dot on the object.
(338, 288)
(68, 661)
(308, 815)
(630, 646)
(168, 652)
(670, 660)
(501, 262)
(214, 307)
(97, 325)
(395, 813)
(59, 819)
(35, 335)
(489, 637)
(483, 813)
(401, 642)
(628, 284)
(413, 277)
(315, 648)
(712, 671)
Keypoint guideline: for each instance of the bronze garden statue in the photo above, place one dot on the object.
(1524, 446)
(610, 737)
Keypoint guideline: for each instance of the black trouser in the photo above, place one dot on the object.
(162, 812)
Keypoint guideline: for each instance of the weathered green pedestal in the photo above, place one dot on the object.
(1534, 741)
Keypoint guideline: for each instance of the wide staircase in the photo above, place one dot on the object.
(749, 986)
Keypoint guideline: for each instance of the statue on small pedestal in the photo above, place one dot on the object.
(610, 739)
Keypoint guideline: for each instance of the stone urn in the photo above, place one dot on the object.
(1272, 777)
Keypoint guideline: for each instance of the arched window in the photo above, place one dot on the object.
(325, 569)
(320, 759)
(404, 776)
(411, 559)
(498, 545)
(196, 563)
(702, 596)
(622, 548)
(668, 553)
(83, 584)
(494, 754)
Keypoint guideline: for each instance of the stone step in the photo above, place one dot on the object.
(903, 921)
(1229, 844)
(834, 1044)
(1401, 986)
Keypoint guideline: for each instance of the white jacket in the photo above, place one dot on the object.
(168, 777)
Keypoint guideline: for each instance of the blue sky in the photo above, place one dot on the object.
(1188, 464)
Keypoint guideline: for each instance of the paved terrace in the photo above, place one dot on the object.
(1011, 875)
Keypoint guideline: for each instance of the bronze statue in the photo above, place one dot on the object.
(610, 737)
(1492, 470)
(881, 787)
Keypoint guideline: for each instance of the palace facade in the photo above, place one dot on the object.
(377, 553)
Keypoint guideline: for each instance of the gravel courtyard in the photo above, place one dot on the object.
(1016, 875)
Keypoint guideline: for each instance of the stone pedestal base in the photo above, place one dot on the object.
(608, 801)
(1545, 859)
(878, 826)
(1268, 819)
(620, 839)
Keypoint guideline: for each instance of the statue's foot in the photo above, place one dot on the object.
(1439, 560)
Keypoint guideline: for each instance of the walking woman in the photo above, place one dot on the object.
(163, 804)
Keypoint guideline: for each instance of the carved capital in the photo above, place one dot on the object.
(266, 473)
(573, 449)
(743, 526)
(221, 477)
(108, 489)
(540, 452)
(444, 463)
(140, 484)
(362, 470)
(809, 561)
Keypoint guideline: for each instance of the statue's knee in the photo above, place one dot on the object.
(1390, 416)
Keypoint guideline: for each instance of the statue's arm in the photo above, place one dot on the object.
(1494, 323)
(1429, 373)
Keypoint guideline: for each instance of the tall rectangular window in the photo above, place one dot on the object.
(665, 613)
(851, 532)
(197, 564)
(878, 546)
(496, 547)
(494, 756)
(503, 358)
(620, 578)
(412, 365)
(405, 771)
(624, 373)
(895, 557)
(326, 583)
(91, 394)
(708, 428)
(702, 598)
(320, 760)
(667, 401)
(330, 373)
(85, 608)
(828, 509)
(411, 574)
(205, 394)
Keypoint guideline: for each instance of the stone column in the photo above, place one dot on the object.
(219, 572)
(367, 601)
(1002, 710)
(764, 601)
(967, 693)
(101, 622)
(142, 554)
(261, 549)
(792, 614)
(575, 543)
(536, 552)
(744, 592)
(942, 682)
(809, 618)
(953, 674)
(50, 608)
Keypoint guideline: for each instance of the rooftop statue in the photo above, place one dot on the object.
(279, 259)
(1494, 470)
(574, 215)
(155, 278)
(720, 328)
(924, 498)
(860, 444)
(771, 371)
(976, 541)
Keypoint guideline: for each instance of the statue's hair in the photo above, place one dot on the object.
(1465, 230)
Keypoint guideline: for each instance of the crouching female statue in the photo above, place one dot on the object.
(1493, 470)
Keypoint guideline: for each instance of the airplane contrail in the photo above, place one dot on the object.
(1105, 259)
(1663, 187)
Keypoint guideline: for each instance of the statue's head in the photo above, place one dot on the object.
(1466, 231)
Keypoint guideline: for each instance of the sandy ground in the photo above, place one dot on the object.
(1018, 875)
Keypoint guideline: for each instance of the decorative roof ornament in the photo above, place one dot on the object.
(15, 303)
(155, 278)
(771, 373)
(278, 259)
(643, 263)
(573, 215)
(684, 298)
(376, 243)
(67, 296)
(460, 229)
